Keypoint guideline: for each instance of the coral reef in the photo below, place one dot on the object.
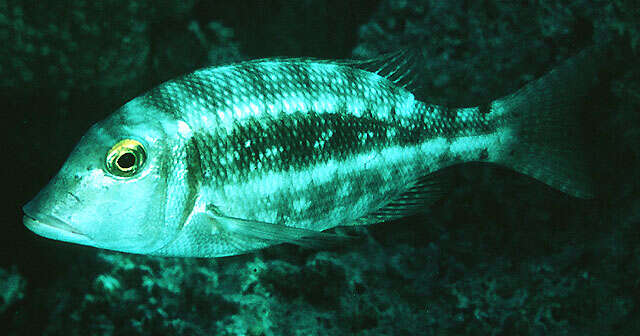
(499, 254)
(12, 286)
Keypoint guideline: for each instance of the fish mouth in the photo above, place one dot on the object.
(52, 227)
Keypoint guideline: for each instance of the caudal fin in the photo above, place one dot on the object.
(545, 117)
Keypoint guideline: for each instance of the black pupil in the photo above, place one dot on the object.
(126, 160)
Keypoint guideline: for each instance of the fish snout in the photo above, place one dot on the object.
(40, 217)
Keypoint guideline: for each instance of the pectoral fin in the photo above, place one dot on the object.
(243, 230)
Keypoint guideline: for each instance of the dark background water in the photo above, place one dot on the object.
(499, 254)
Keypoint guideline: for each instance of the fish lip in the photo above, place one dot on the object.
(52, 227)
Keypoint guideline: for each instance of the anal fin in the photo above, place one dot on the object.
(421, 194)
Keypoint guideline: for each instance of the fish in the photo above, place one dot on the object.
(235, 158)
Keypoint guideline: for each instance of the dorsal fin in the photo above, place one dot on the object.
(401, 67)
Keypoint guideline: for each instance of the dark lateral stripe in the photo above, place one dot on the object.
(194, 177)
(300, 140)
(211, 156)
(194, 165)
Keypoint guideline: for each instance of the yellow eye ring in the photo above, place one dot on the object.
(126, 158)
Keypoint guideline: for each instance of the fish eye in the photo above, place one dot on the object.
(126, 158)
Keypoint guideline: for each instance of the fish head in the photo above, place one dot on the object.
(111, 192)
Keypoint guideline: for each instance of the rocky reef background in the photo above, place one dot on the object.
(500, 254)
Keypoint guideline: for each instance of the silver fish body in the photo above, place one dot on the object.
(248, 155)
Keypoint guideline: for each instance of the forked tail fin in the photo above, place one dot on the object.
(545, 118)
